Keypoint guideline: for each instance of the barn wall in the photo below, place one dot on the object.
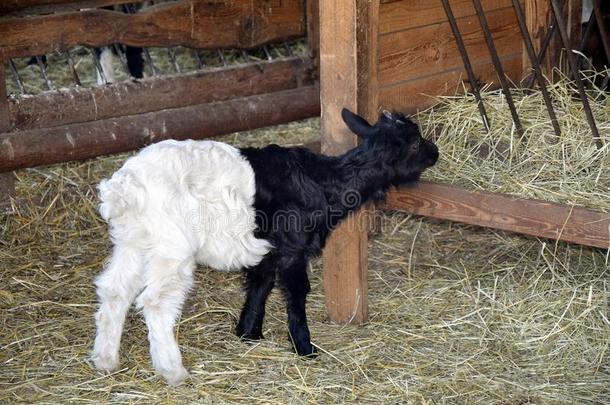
(419, 58)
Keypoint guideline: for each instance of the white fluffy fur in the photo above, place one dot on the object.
(173, 205)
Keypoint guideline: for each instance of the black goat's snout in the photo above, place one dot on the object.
(431, 152)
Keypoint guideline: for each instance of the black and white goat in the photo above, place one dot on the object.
(266, 210)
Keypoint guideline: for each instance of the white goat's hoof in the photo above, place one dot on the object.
(105, 362)
(175, 377)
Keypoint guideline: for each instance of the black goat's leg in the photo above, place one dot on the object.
(259, 283)
(135, 61)
(293, 279)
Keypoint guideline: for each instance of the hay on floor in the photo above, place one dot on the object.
(457, 314)
(570, 169)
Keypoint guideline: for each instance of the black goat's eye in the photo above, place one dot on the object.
(415, 147)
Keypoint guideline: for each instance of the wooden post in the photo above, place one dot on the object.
(348, 78)
(7, 180)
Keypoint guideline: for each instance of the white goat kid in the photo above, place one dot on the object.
(173, 205)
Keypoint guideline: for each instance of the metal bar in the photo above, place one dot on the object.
(527, 40)
(222, 57)
(199, 59)
(121, 54)
(602, 28)
(267, 53)
(72, 68)
(98, 66)
(16, 76)
(544, 47)
(467, 65)
(582, 43)
(245, 56)
(288, 49)
(43, 72)
(153, 69)
(498, 65)
(172, 57)
(572, 61)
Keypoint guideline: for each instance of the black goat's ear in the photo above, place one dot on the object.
(357, 124)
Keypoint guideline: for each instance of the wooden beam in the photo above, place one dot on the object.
(348, 78)
(500, 211)
(7, 180)
(86, 140)
(197, 24)
(74, 105)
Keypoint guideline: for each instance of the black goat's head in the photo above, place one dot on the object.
(398, 143)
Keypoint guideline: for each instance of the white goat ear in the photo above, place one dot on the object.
(387, 114)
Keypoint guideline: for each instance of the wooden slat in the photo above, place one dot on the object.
(156, 93)
(407, 14)
(348, 63)
(419, 94)
(81, 141)
(407, 55)
(199, 24)
(500, 211)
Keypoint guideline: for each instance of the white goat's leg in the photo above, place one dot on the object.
(167, 283)
(117, 287)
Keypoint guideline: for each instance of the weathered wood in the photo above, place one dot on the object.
(204, 24)
(418, 94)
(313, 32)
(537, 19)
(30, 7)
(410, 54)
(156, 93)
(85, 140)
(7, 180)
(408, 14)
(500, 211)
(348, 72)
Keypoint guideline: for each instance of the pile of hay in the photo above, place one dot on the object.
(538, 165)
(457, 314)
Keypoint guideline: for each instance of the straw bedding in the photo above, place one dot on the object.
(457, 314)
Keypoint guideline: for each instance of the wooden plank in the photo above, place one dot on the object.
(408, 14)
(156, 93)
(407, 55)
(418, 94)
(209, 24)
(30, 7)
(348, 63)
(500, 211)
(313, 32)
(86, 140)
(7, 180)
(537, 18)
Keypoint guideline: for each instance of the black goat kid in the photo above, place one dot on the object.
(177, 204)
(300, 197)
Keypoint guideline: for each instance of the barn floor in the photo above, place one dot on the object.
(457, 314)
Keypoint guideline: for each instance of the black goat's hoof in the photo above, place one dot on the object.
(249, 336)
(306, 351)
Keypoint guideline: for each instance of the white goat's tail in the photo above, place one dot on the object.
(119, 194)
